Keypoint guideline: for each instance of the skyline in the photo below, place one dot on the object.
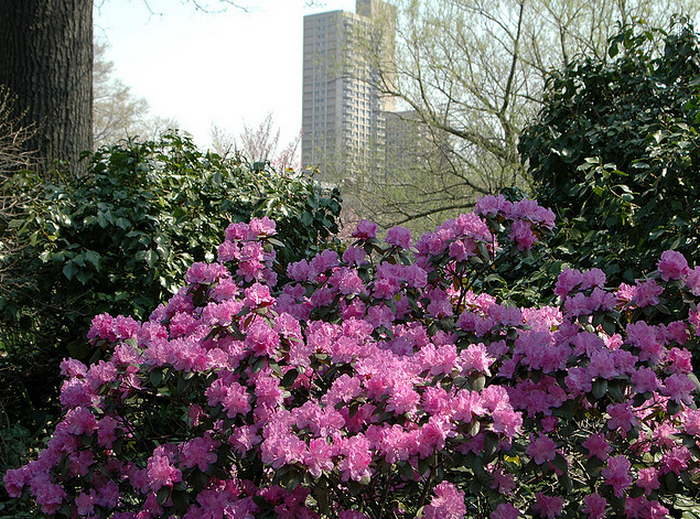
(226, 68)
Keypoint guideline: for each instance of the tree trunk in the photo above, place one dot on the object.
(46, 61)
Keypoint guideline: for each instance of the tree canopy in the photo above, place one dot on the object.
(471, 72)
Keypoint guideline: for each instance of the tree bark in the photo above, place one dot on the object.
(46, 58)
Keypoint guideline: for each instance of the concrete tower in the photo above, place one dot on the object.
(343, 113)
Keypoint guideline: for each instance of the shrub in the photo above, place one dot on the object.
(615, 151)
(121, 239)
(377, 384)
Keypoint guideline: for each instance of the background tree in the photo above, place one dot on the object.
(116, 112)
(258, 144)
(473, 71)
(46, 61)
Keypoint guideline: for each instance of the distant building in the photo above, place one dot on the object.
(343, 113)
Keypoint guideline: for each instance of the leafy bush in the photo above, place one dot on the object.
(377, 384)
(615, 152)
(121, 239)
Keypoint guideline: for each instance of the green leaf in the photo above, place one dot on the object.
(600, 388)
(70, 269)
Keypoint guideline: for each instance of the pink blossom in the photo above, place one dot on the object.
(692, 281)
(76, 393)
(677, 331)
(503, 482)
(80, 421)
(567, 281)
(594, 506)
(447, 503)
(476, 358)
(258, 296)
(505, 511)
(617, 474)
(676, 460)
(548, 506)
(542, 449)
(15, 480)
(597, 446)
(351, 514)
(261, 227)
(648, 339)
(205, 273)
(461, 250)
(657, 510)
(507, 422)
(678, 388)
(679, 361)
(49, 496)
(531, 210)
(644, 379)
(491, 205)
(647, 293)
(621, 417)
(85, 504)
(399, 237)
(648, 479)
(106, 431)
(74, 368)
(356, 458)
(673, 265)
(521, 233)
(365, 230)
(198, 452)
(692, 422)
(161, 473)
(354, 256)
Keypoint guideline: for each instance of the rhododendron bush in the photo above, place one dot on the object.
(380, 385)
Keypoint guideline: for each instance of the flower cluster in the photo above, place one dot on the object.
(377, 384)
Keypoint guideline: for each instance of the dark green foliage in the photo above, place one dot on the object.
(121, 238)
(615, 152)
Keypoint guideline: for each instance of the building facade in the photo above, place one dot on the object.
(343, 113)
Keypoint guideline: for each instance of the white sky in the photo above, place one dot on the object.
(202, 68)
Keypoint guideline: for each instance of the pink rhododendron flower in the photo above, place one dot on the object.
(491, 205)
(161, 473)
(448, 503)
(365, 230)
(678, 388)
(597, 446)
(617, 474)
(621, 417)
(521, 233)
(673, 265)
(594, 505)
(648, 479)
(541, 449)
(505, 511)
(367, 371)
(647, 293)
(261, 227)
(692, 281)
(399, 237)
(676, 460)
(548, 506)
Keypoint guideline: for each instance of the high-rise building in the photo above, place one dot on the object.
(343, 112)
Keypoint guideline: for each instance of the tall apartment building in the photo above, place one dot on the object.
(343, 113)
